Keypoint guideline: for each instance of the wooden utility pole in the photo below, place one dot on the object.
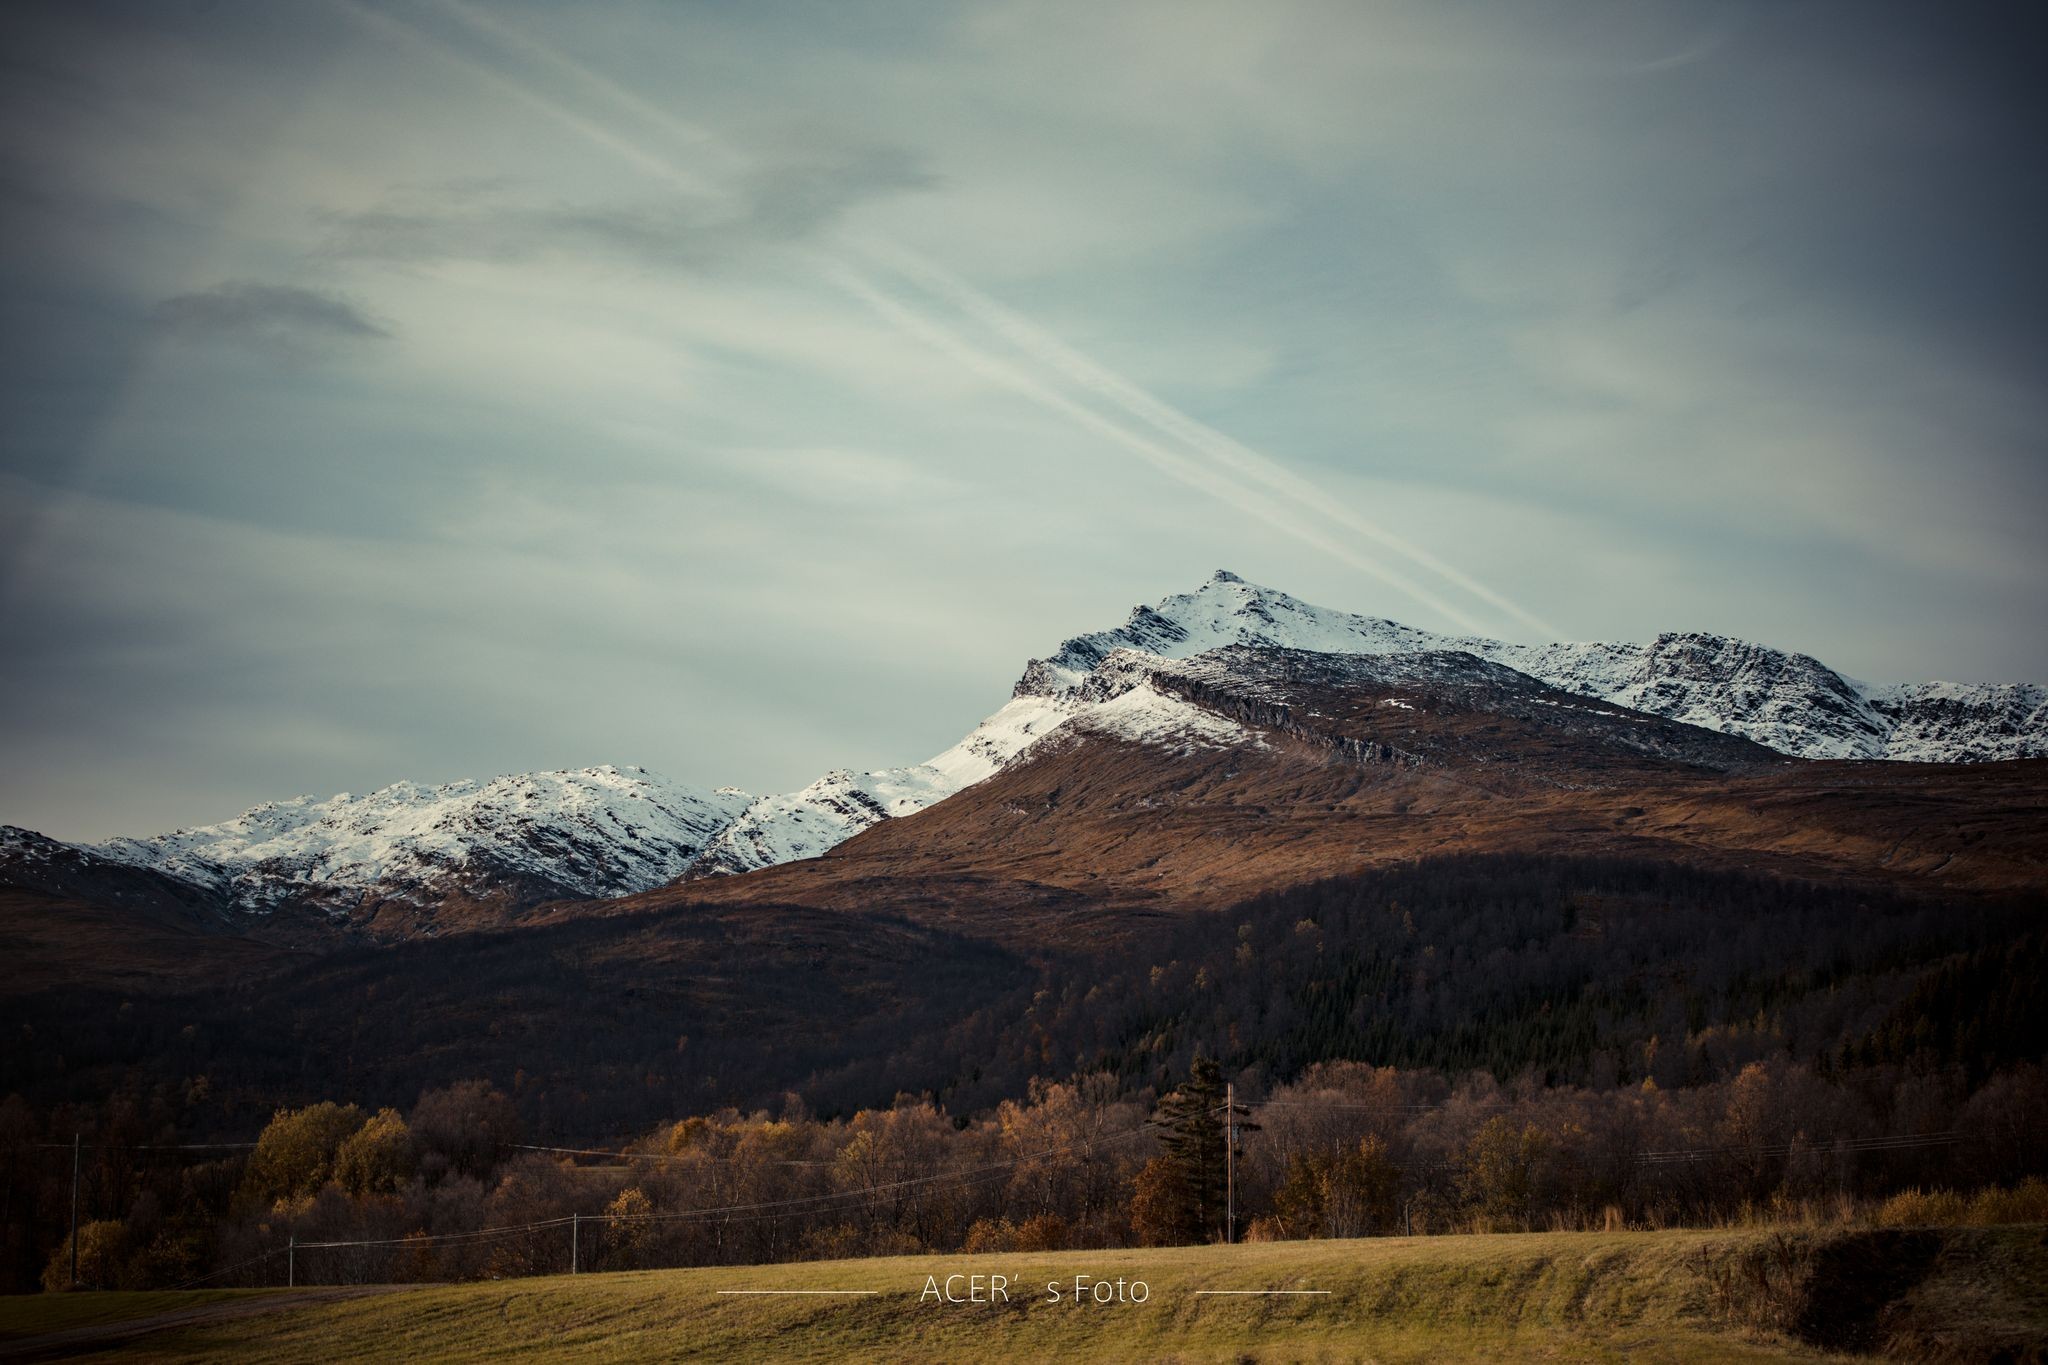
(1229, 1162)
(74, 1210)
(575, 1236)
(291, 1263)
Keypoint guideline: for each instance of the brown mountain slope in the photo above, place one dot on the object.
(50, 941)
(1346, 762)
(69, 918)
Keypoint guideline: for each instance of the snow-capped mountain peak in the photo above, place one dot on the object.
(608, 831)
(1784, 700)
(1226, 610)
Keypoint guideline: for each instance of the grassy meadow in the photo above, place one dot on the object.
(1743, 1295)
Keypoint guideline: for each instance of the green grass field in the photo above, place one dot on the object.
(1666, 1296)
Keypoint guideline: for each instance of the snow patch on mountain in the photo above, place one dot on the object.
(591, 832)
(1145, 715)
(839, 805)
(1224, 611)
(1789, 702)
(26, 847)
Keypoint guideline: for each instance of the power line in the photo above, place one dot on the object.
(150, 1146)
(656, 1156)
(838, 1200)
(1890, 1143)
(227, 1270)
(439, 1238)
(1903, 1142)
(755, 1212)
(835, 1201)
(947, 1177)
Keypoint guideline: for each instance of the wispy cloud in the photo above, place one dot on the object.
(1060, 378)
(268, 318)
(790, 199)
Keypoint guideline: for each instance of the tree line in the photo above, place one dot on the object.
(449, 1189)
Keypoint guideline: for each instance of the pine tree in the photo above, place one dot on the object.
(1193, 1118)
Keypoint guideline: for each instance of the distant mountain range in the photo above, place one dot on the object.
(1229, 667)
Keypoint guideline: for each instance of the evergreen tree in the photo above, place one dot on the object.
(1194, 1143)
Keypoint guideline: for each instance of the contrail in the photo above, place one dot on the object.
(1039, 344)
(1721, 30)
(1168, 462)
(1021, 334)
(702, 138)
(1162, 416)
(410, 36)
(1032, 339)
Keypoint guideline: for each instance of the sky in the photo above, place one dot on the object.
(428, 389)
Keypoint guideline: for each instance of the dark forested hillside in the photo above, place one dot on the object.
(594, 1026)
(1576, 970)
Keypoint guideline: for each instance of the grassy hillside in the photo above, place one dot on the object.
(1680, 1296)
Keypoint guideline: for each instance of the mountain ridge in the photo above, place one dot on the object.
(1343, 762)
(531, 837)
(409, 853)
(1785, 700)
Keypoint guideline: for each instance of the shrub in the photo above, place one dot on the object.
(832, 1242)
(990, 1235)
(101, 1246)
(1920, 1208)
(2026, 1202)
(1046, 1232)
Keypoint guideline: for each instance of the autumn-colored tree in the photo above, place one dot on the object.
(628, 1228)
(759, 1162)
(1344, 1193)
(1047, 1131)
(889, 1151)
(294, 1155)
(378, 1157)
(1046, 1232)
(1163, 1211)
(1497, 1181)
(533, 1189)
(990, 1235)
(688, 1133)
(101, 1245)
